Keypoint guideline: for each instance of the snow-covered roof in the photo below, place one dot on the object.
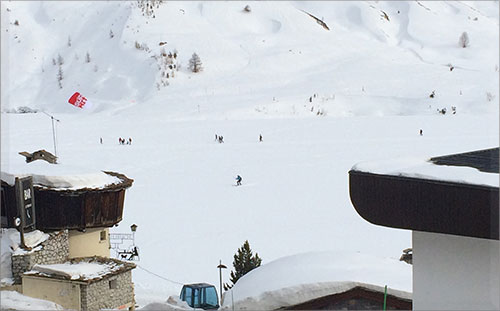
(56, 176)
(432, 195)
(299, 278)
(427, 169)
(82, 269)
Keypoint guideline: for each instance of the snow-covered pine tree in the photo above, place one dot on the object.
(463, 41)
(244, 262)
(195, 63)
(60, 76)
(60, 59)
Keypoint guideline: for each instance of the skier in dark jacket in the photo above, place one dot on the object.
(238, 180)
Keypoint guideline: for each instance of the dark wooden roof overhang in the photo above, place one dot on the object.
(426, 205)
(79, 209)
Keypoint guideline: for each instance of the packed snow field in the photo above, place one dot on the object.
(323, 100)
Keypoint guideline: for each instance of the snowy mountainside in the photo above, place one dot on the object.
(378, 58)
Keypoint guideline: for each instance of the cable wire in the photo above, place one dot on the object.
(161, 277)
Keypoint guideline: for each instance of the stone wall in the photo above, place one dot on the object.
(54, 250)
(99, 294)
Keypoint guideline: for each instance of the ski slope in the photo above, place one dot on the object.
(322, 100)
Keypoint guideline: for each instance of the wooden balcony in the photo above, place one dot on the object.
(57, 209)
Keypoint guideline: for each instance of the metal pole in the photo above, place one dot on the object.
(385, 297)
(220, 279)
(53, 131)
(232, 299)
(220, 266)
(54, 136)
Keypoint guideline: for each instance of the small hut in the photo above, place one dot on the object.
(83, 283)
(39, 155)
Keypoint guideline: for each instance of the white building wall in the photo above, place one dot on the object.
(455, 273)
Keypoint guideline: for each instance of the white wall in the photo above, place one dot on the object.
(455, 273)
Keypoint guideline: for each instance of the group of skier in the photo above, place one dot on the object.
(123, 141)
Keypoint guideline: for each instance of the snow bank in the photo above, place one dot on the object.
(418, 168)
(173, 303)
(59, 176)
(10, 245)
(299, 278)
(12, 300)
(5, 259)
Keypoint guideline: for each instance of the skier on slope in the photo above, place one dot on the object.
(238, 180)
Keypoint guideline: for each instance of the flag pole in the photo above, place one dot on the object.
(53, 131)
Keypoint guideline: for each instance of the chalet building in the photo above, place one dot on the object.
(451, 204)
(77, 218)
(357, 298)
(332, 280)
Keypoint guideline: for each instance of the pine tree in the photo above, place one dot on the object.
(463, 41)
(60, 77)
(195, 63)
(244, 262)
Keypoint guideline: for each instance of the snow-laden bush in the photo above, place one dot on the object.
(25, 109)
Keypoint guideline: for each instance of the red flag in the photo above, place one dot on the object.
(77, 100)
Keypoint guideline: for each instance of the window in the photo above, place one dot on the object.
(103, 236)
(186, 295)
(209, 297)
(113, 284)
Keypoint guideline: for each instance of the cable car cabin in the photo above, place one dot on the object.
(200, 295)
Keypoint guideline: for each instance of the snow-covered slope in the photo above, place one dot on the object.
(378, 58)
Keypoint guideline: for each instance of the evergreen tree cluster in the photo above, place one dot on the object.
(244, 262)
(168, 65)
(147, 7)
